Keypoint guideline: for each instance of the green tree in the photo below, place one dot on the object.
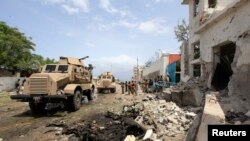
(15, 48)
(182, 31)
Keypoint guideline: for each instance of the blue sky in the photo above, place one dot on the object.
(112, 32)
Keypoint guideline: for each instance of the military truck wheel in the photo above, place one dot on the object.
(37, 108)
(76, 101)
(90, 95)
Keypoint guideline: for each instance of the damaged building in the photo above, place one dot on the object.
(218, 48)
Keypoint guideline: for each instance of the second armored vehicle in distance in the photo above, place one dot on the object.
(106, 82)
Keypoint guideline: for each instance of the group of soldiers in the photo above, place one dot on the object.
(130, 87)
(154, 85)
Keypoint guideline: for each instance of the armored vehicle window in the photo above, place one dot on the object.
(63, 68)
(104, 77)
(109, 77)
(50, 68)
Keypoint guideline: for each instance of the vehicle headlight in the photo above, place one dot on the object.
(59, 92)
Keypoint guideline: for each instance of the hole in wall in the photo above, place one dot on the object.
(223, 70)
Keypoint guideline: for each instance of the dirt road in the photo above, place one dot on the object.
(18, 124)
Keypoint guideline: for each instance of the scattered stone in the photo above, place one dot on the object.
(162, 101)
(190, 115)
(1, 139)
(172, 119)
(22, 136)
(237, 122)
(130, 138)
(233, 117)
(248, 114)
(148, 134)
(153, 119)
(139, 119)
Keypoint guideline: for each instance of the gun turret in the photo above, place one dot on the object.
(84, 58)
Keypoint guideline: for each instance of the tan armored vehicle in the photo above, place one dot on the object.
(106, 81)
(66, 82)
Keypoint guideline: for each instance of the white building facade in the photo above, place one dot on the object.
(160, 67)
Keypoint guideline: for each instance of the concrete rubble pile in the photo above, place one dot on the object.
(152, 120)
(167, 120)
(191, 83)
(190, 93)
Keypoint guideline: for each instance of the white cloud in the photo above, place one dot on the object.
(126, 24)
(107, 6)
(127, 13)
(82, 4)
(153, 26)
(71, 6)
(70, 10)
(157, 26)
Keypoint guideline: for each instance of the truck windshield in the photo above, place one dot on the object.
(108, 77)
(50, 68)
(63, 68)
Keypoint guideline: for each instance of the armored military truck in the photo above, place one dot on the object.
(106, 81)
(66, 82)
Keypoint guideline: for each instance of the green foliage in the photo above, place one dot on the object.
(182, 31)
(15, 48)
(16, 51)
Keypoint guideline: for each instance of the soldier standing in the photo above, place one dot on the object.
(129, 88)
(126, 86)
(122, 85)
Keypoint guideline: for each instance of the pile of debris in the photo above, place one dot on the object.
(187, 85)
(237, 117)
(165, 118)
(151, 119)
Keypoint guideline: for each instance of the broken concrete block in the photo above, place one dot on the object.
(190, 115)
(248, 114)
(237, 122)
(177, 96)
(148, 134)
(102, 128)
(162, 101)
(1, 139)
(172, 119)
(185, 79)
(130, 138)
(162, 120)
(192, 97)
